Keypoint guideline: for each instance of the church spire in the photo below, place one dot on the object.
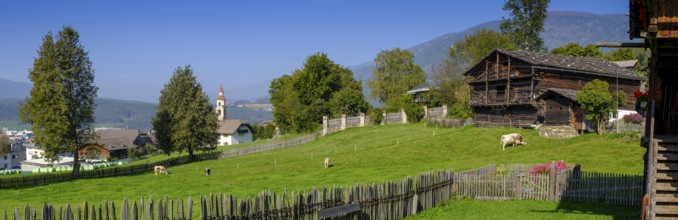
(221, 104)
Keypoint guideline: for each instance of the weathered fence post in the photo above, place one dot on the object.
(383, 120)
(425, 111)
(362, 119)
(343, 122)
(518, 191)
(402, 111)
(325, 124)
(552, 181)
(444, 111)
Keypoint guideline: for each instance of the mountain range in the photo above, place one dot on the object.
(559, 28)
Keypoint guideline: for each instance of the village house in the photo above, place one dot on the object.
(422, 93)
(523, 89)
(231, 131)
(114, 144)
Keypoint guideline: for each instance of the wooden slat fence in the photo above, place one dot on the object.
(352, 121)
(509, 181)
(393, 118)
(268, 146)
(387, 200)
(610, 188)
(436, 112)
(334, 125)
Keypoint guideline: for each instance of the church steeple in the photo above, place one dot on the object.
(221, 104)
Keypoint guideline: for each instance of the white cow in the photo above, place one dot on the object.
(327, 162)
(160, 169)
(512, 139)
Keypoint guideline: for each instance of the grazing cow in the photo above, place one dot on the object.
(512, 139)
(327, 162)
(208, 171)
(160, 169)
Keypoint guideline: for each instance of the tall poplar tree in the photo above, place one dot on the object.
(525, 23)
(61, 103)
(185, 120)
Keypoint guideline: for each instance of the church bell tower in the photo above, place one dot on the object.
(221, 104)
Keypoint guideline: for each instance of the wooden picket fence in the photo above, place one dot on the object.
(513, 181)
(387, 200)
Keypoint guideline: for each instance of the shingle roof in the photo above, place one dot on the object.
(627, 63)
(231, 126)
(582, 64)
(118, 139)
(567, 93)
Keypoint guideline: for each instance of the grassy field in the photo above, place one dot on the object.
(359, 155)
(526, 209)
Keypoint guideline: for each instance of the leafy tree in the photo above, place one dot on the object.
(263, 132)
(621, 54)
(394, 74)
(474, 47)
(574, 49)
(597, 102)
(184, 120)
(134, 153)
(452, 88)
(320, 88)
(526, 21)
(61, 104)
(4, 144)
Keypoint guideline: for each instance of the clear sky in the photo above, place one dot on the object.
(136, 45)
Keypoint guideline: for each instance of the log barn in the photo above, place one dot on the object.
(523, 88)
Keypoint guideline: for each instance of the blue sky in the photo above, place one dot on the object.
(135, 45)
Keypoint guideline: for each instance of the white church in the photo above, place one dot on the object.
(231, 131)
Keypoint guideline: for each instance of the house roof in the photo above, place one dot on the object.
(118, 139)
(231, 126)
(421, 88)
(567, 93)
(595, 66)
(627, 63)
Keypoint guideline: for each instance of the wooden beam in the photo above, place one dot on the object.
(508, 82)
(621, 44)
(532, 85)
(496, 67)
(487, 90)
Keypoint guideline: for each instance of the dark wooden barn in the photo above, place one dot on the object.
(522, 88)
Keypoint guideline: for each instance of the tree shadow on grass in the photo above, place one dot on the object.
(585, 208)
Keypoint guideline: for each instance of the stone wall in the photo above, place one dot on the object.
(557, 132)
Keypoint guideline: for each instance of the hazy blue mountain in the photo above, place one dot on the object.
(117, 113)
(560, 28)
(13, 89)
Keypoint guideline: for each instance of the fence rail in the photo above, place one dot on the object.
(268, 146)
(509, 181)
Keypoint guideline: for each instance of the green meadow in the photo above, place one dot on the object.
(358, 155)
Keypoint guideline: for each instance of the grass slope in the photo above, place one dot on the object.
(359, 155)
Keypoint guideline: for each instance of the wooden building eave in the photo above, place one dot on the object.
(500, 79)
